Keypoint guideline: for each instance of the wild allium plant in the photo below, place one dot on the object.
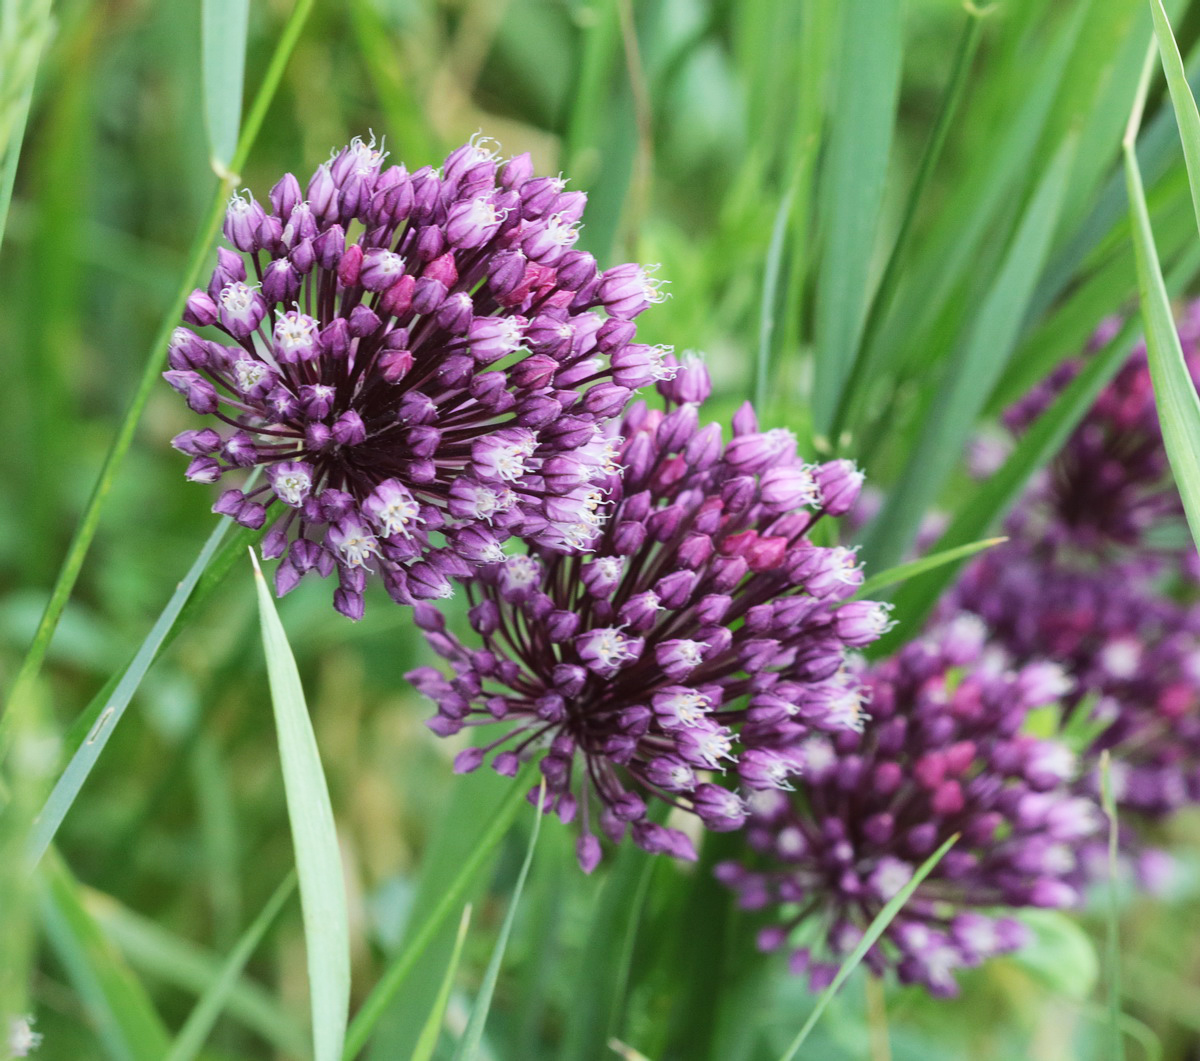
(888, 224)
(416, 362)
(703, 635)
(1100, 575)
(944, 754)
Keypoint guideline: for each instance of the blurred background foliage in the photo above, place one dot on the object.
(764, 151)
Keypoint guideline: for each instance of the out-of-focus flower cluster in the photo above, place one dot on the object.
(421, 362)
(943, 755)
(702, 635)
(1098, 574)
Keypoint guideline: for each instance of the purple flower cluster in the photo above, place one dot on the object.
(423, 364)
(944, 755)
(1094, 576)
(1110, 484)
(1133, 652)
(702, 635)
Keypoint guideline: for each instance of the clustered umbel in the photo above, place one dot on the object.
(1099, 573)
(944, 755)
(421, 362)
(1134, 654)
(1110, 485)
(687, 654)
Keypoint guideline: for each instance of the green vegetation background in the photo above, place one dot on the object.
(763, 151)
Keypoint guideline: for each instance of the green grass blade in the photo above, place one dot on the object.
(223, 26)
(81, 541)
(876, 929)
(427, 1042)
(958, 401)
(903, 572)
(607, 955)
(199, 1024)
(128, 1027)
(1174, 392)
(160, 955)
(868, 81)
(393, 979)
(863, 363)
(468, 1046)
(1182, 99)
(68, 787)
(770, 299)
(1112, 913)
(314, 837)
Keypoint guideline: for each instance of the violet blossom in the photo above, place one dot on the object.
(944, 755)
(684, 657)
(409, 355)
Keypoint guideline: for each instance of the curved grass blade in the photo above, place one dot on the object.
(393, 979)
(223, 29)
(903, 572)
(67, 788)
(973, 370)
(468, 1045)
(427, 1042)
(128, 1027)
(872, 934)
(196, 1028)
(22, 685)
(1186, 115)
(314, 837)
(1174, 392)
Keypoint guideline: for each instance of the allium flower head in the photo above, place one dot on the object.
(416, 359)
(684, 656)
(1133, 653)
(1110, 483)
(1090, 578)
(943, 755)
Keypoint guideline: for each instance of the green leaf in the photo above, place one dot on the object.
(852, 183)
(903, 572)
(68, 787)
(314, 837)
(126, 1023)
(223, 26)
(450, 895)
(1182, 99)
(196, 1028)
(427, 1042)
(973, 371)
(1174, 392)
(468, 1046)
(876, 929)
